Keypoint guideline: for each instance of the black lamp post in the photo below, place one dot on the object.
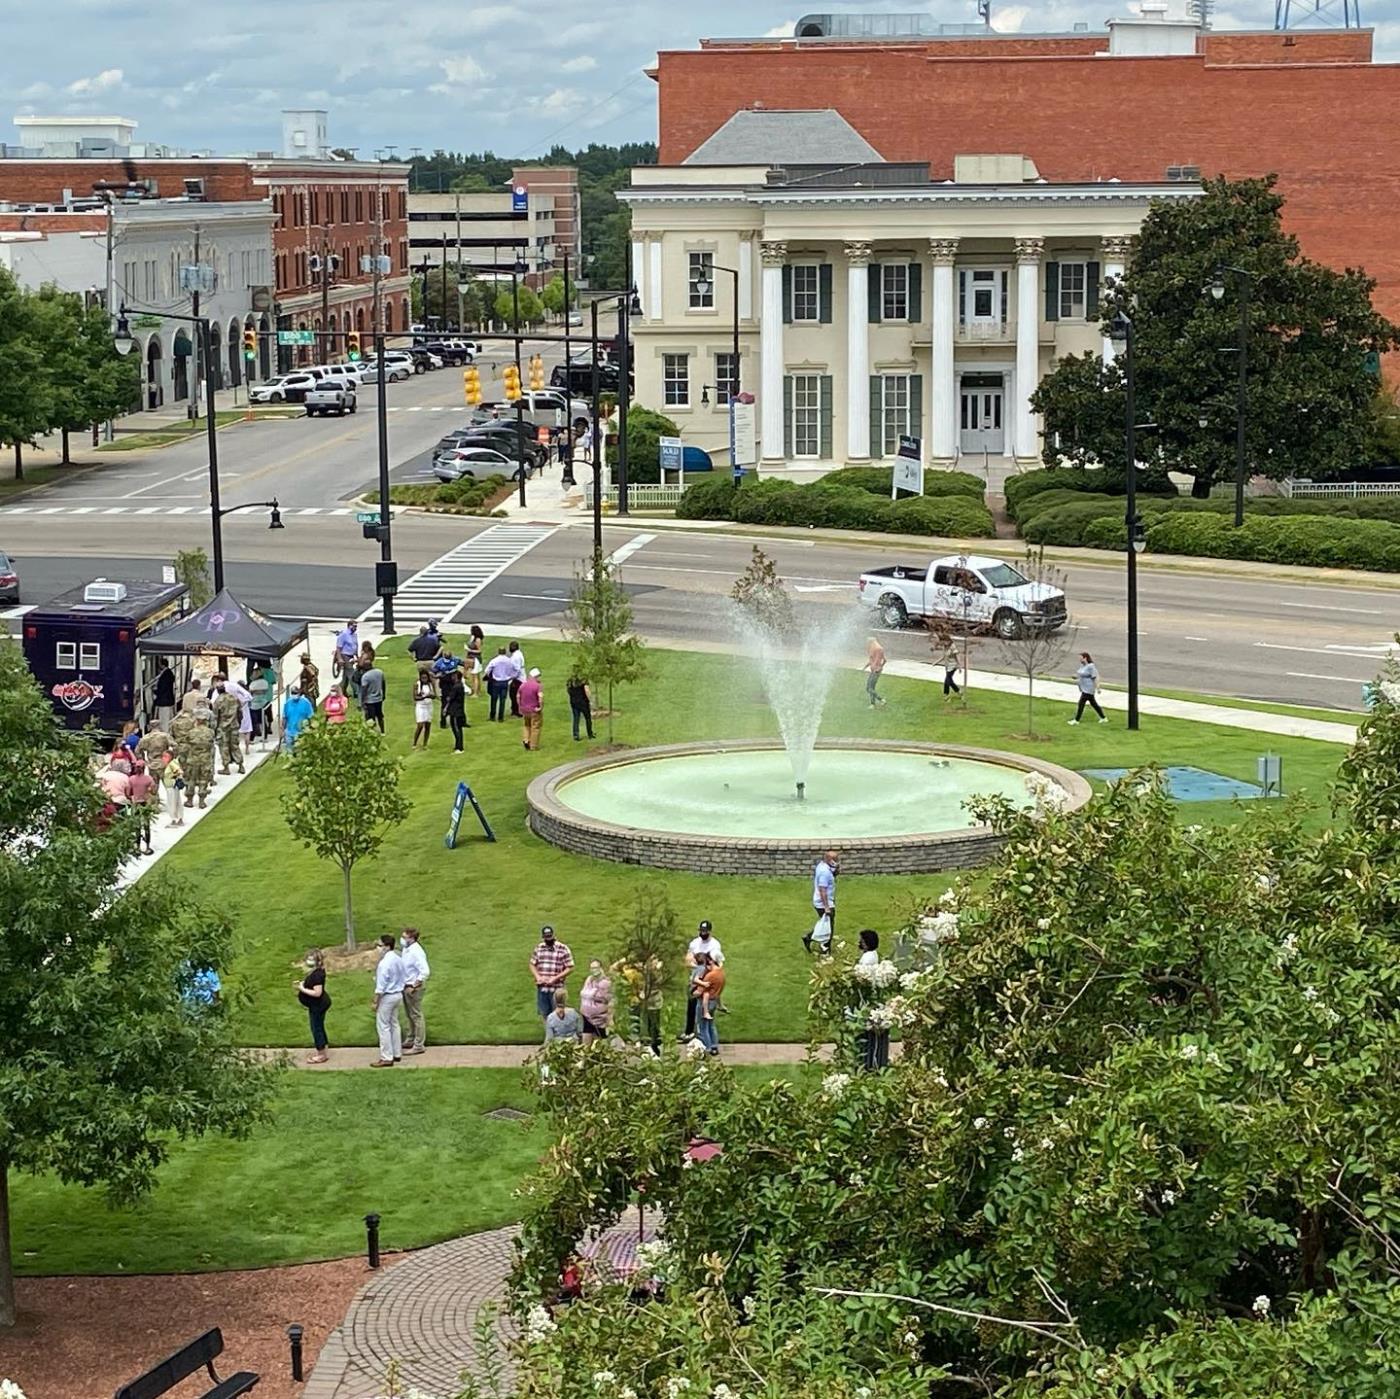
(1243, 282)
(1121, 332)
(704, 286)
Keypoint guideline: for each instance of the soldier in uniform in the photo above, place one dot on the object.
(155, 744)
(180, 727)
(197, 758)
(227, 712)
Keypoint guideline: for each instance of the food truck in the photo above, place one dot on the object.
(81, 647)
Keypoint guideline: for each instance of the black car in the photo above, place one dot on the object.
(422, 358)
(578, 378)
(455, 355)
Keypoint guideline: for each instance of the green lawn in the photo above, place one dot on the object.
(480, 906)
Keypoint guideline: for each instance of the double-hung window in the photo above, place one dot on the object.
(701, 281)
(726, 377)
(894, 291)
(806, 415)
(806, 291)
(1073, 284)
(675, 380)
(895, 418)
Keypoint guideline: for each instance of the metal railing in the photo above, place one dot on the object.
(985, 332)
(1297, 488)
(652, 497)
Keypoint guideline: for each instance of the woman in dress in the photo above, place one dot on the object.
(422, 706)
(311, 992)
(476, 642)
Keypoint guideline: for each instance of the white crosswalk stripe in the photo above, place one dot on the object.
(442, 589)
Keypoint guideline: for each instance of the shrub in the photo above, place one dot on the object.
(462, 497)
(957, 516)
(1316, 541)
(1100, 481)
(1066, 524)
(709, 498)
(645, 429)
(1042, 501)
(878, 479)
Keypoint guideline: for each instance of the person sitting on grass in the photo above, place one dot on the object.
(563, 1022)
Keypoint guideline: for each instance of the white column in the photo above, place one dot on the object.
(745, 279)
(1114, 254)
(943, 427)
(857, 353)
(771, 353)
(1028, 254)
(639, 271)
(653, 302)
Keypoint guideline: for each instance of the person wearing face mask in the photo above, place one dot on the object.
(704, 942)
(312, 993)
(415, 967)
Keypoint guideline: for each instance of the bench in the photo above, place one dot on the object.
(162, 1378)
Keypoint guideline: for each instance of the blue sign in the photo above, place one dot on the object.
(519, 200)
(459, 805)
(672, 454)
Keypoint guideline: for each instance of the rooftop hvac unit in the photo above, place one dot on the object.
(103, 591)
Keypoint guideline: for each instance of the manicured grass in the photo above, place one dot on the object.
(480, 907)
(1293, 711)
(342, 1144)
(180, 432)
(33, 476)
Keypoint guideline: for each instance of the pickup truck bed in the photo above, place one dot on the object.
(328, 398)
(912, 575)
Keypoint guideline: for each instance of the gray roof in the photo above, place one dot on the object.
(819, 137)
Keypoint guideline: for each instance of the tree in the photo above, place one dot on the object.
(759, 592)
(552, 295)
(106, 1059)
(647, 956)
(25, 391)
(1032, 651)
(1142, 1138)
(606, 651)
(192, 569)
(344, 797)
(1310, 331)
(531, 310)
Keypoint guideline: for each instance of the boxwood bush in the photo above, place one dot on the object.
(1317, 541)
(878, 479)
(1103, 481)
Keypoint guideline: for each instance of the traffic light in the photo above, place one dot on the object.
(352, 346)
(512, 383)
(537, 371)
(250, 343)
(471, 384)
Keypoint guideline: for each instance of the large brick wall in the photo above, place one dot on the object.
(1312, 111)
(44, 181)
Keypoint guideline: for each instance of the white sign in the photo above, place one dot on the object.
(743, 441)
(908, 467)
(167, 573)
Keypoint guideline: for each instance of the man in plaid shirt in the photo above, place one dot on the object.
(550, 965)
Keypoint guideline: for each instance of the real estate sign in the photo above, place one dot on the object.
(908, 467)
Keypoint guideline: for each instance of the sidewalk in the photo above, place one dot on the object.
(514, 1056)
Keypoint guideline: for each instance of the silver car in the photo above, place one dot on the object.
(474, 462)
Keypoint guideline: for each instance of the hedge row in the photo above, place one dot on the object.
(878, 480)
(1102, 481)
(834, 507)
(464, 496)
(1315, 540)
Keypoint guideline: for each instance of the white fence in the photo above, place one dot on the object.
(639, 497)
(1337, 490)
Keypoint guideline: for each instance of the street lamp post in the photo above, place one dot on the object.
(1121, 332)
(704, 286)
(1243, 281)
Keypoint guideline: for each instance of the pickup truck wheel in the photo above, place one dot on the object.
(1008, 624)
(353, 407)
(893, 612)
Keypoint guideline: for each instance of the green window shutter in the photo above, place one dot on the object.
(872, 284)
(824, 293)
(877, 436)
(1052, 291)
(824, 427)
(787, 415)
(1091, 291)
(916, 292)
(962, 297)
(916, 405)
(787, 294)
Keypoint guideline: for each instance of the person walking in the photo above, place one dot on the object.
(562, 1022)
(415, 969)
(262, 686)
(517, 677)
(227, 712)
(347, 647)
(172, 784)
(706, 992)
(389, 979)
(335, 705)
(951, 665)
(423, 706)
(455, 708)
(703, 944)
(824, 901)
(1087, 677)
(580, 704)
(499, 671)
(874, 668)
(530, 701)
(310, 678)
(873, 1044)
(596, 1003)
(243, 695)
(163, 696)
(141, 802)
(296, 713)
(550, 965)
(372, 694)
(312, 993)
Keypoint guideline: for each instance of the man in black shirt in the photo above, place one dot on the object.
(425, 646)
(164, 696)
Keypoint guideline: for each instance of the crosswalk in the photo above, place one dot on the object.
(444, 587)
(190, 510)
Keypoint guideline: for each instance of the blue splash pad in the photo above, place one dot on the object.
(1188, 784)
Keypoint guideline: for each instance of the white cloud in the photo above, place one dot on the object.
(559, 101)
(104, 81)
(584, 63)
(35, 90)
(463, 69)
(785, 30)
(1010, 19)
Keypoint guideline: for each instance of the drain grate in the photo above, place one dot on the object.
(507, 1114)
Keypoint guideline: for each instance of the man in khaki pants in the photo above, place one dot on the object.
(415, 966)
(531, 700)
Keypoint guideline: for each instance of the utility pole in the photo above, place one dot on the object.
(326, 291)
(193, 381)
(459, 264)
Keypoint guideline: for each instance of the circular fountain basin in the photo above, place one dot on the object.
(888, 806)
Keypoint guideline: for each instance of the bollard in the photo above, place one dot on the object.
(294, 1335)
(372, 1239)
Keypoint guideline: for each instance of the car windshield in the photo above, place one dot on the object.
(1002, 575)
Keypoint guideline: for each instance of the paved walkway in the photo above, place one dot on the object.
(514, 1056)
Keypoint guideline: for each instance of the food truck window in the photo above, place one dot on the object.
(65, 655)
(90, 655)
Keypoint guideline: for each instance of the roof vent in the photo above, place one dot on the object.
(104, 592)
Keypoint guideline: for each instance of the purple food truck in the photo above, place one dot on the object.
(81, 647)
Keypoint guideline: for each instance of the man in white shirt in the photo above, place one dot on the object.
(389, 980)
(824, 899)
(415, 970)
(704, 941)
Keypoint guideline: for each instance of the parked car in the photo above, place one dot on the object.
(285, 388)
(332, 395)
(504, 438)
(9, 579)
(551, 407)
(969, 590)
(394, 369)
(578, 378)
(475, 462)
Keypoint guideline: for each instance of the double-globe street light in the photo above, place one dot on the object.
(628, 305)
(124, 343)
(1244, 280)
(704, 287)
(1121, 333)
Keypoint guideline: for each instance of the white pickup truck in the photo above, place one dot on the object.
(334, 394)
(972, 591)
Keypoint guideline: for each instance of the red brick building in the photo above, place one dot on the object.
(1310, 106)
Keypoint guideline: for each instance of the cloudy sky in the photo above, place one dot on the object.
(424, 73)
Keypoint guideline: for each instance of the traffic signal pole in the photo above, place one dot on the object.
(386, 552)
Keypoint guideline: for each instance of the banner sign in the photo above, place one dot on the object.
(909, 467)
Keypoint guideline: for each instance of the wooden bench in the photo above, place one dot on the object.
(162, 1378)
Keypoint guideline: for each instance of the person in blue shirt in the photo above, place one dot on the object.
(200, 987)
(295, 714)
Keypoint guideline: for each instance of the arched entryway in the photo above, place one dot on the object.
(265, 349)
(303, 351)
(216, 354)
(388, 318)
(155, 371)
(360, 319)
(235, 354)
(180, 351)
(407, 315)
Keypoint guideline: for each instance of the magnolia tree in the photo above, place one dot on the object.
(1143, 1140)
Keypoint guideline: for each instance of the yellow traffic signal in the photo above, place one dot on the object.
(352, 346)
(512, 383)
(537, 371)
(250, 343)
(471, 385)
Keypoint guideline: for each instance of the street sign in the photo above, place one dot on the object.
(146, 322)
(542, 435)
(367, 517)
(296, 337)
(743, 420)
(672, 454)
(908, 467)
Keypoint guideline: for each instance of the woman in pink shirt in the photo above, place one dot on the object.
(335, 704)
(141, 787)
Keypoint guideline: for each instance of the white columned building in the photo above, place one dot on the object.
(1115, 264)
(943, 433)
(857, 353)
(773, 256)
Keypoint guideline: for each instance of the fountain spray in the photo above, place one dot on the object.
(802, 791)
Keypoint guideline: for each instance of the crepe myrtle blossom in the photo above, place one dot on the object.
(1261, 1306)
(939, 927)
(10, 1390)
(652, 1257)
(880, 975)
(835, 1085)
(539, 1324)
(676, 1386)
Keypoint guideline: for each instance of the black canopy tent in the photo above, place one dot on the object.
(225, 627)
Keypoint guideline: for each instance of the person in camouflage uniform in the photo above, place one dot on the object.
(155, 744)
(197, 758)
(226, 714)
(180, 727)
